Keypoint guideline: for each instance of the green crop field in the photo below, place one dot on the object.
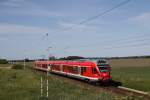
(133, 77)
(25, 85)
(133, 73)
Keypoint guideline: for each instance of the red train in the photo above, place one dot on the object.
(98, 71)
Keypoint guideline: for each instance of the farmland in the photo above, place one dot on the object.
(25, 85)
(132, 62)
(133, 73)
(5, 65)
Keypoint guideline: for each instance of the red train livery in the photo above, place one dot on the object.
(98, 71)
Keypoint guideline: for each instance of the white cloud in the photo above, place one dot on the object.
(65, 25)
(20, 29)
(12, 3)
(31, 12)
(36, 12)
(143, 19)
(24, 7)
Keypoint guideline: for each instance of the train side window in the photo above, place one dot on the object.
(94, 71)
(43, 65)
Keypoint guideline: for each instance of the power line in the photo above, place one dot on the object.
(124, 46)
(96, 16)
(103, 13)
(129, 43)
(138, 38)
(135, 39)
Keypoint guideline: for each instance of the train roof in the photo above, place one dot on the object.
(83, 62)
(68, 62)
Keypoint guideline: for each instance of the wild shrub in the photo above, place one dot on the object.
(17, 66)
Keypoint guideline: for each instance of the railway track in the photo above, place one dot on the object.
(127, 92)
(113, 88)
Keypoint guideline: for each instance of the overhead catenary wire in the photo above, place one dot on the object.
(95, 16)
(125, 42)
(121, 44)
(109, 43)
(135, 45)
(131, 43)
(121, 41)
(98, 15)
(103, 13)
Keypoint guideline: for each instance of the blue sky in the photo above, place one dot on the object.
(121, 32)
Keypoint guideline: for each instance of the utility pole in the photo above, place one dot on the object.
(41, 87)
(24, 63)
(47, 79)
(47, 87)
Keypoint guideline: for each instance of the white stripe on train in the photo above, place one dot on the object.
(72, 75)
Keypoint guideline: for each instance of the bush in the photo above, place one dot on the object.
(3, 61)
(17, 66)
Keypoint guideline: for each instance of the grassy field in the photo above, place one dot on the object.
(133, 73)
(25, 85)
(133, 77)
(140, 62)
(4, 65)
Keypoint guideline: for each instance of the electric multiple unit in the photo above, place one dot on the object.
(92, 71)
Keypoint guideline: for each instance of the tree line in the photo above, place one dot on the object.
(3, 61)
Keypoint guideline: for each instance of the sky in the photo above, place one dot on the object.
(41, 28)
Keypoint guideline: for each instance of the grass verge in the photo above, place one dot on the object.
(25, 85)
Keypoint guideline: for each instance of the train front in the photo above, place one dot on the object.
(104, 69)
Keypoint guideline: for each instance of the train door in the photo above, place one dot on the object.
(83, 70)
(94, 72)
(61, 67)
(79, 70)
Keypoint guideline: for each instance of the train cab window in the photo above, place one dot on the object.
(94, 71)
(102, 65)
(103, 69)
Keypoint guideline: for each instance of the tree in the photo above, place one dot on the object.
(3, 61)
